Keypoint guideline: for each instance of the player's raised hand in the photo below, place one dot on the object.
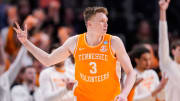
(21, 34)
(69, 84)
(164, 4)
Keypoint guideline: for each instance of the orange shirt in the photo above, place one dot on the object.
(95, 71)
(37, 80)
(11, 45)
(131, 94)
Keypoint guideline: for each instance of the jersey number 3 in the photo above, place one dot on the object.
(93, 70)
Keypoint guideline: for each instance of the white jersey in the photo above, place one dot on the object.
(22, 93)
(144, 89)
(8, 77)
(70, 68)
(53, 87)
(4, 87)
(167, 65)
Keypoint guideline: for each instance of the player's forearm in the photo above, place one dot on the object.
(129, 82)
(16, 65)
(163, 37)
(39, 54)
(163, 42)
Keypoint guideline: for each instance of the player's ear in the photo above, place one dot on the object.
(173, 52)
(88, 23)
(136, 60)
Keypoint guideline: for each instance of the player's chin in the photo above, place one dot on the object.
(104, 31)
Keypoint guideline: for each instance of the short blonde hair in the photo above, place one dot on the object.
(90, 11)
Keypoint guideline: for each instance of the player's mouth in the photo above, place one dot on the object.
(105, 29)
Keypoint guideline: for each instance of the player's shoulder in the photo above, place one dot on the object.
(115, 39)
(116, 42)
(75, 37)
(72, 39)
(18, 88)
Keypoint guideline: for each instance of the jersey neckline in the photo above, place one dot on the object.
(99, 44)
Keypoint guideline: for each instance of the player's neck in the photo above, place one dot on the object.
(177, 61)
(28, 83)
(93, 38)
(140, 69)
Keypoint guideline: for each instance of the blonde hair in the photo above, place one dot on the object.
(90, 11)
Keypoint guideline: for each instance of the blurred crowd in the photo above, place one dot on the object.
(51, 22)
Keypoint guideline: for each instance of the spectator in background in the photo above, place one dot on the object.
(41, 40)
(27, 91)
(32, 22)
(56, 82)
(19, 78)
(64, 32)
(9, 41)
(149, 89)
(44, 3)
(40, 15)
(171, 66)
(142, 34)
(10, 44)
(38, 67)
(24, 9)
(54, 12)
(154, 59)
(7, 78)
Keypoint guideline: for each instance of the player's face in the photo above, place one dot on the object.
(145, 61)
(98, 23)
(176, 53)
(30, 74)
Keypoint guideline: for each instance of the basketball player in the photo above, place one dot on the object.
(54, 84)
(96, 54)
(168, 65)
(7, 78)
(150, 88)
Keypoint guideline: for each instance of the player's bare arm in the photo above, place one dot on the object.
(60, 54)
(122, 56)
(163, 32)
